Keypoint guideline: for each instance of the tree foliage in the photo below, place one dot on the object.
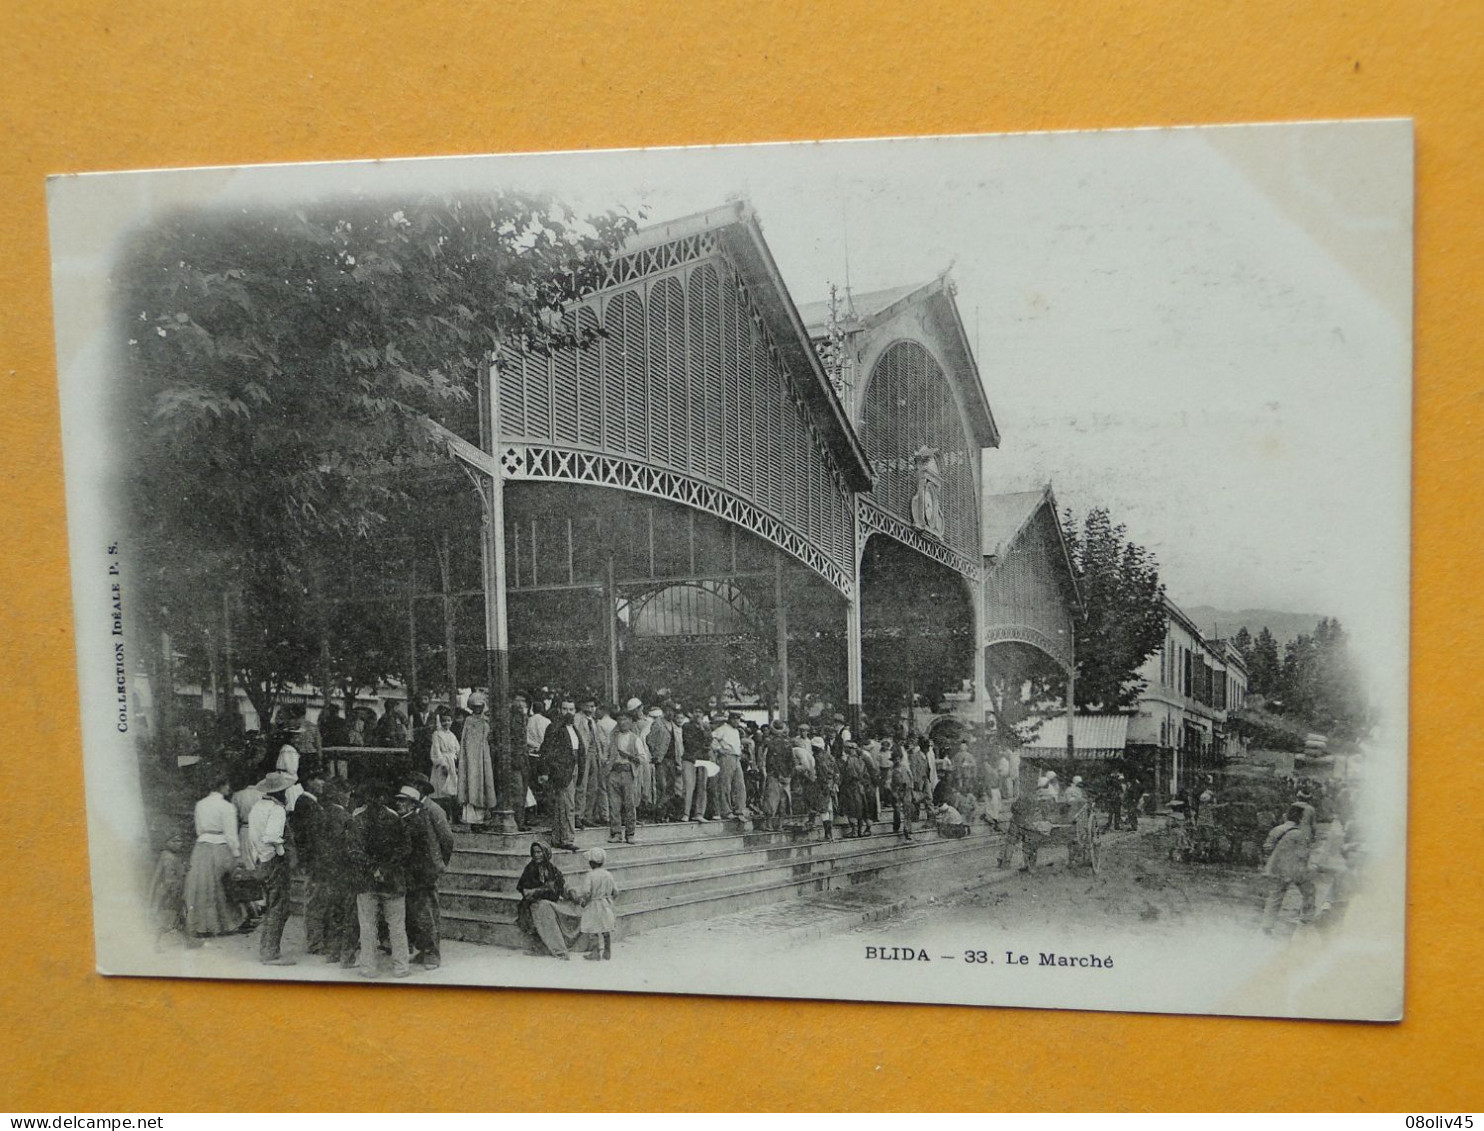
(281, 370)
(1122, 621)
(1314, 687)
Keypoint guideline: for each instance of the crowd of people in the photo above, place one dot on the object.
(1310, 857)
(579, 763)
(371, 854)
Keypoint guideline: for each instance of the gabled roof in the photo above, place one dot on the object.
(874, 307)
(1003, 518)
(737, 229)
(855, 310)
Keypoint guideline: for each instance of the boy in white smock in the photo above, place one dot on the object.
(597, 900)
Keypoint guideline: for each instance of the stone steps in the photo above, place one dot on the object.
(514, 855)
(729, 877)
(636, 866)
(628, 857)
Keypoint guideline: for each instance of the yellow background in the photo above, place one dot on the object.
(127, 84)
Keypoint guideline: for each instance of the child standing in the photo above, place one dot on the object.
(167, 888)
(598, 918)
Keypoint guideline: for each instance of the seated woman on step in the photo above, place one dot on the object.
(545, 914)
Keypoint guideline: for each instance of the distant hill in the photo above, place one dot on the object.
(1225, 622)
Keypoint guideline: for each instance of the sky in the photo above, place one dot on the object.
(1205, 330)
(1218, 354)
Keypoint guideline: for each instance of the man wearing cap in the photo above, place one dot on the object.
(623, 788)
(778, 763)
(590, 803)
(643, 723)
(731, 790)
(561, 753)
(1074, 791)
(671, 801)
(425, 863)
(695, 744)
(379, 850)
(267, 825)
(659, 739)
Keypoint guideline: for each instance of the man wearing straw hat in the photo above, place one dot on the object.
(267, 826)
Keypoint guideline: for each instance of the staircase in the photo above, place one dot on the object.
(683, 871)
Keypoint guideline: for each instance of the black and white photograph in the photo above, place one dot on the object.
(967, 570)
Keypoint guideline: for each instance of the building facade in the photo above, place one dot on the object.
(1192, 684)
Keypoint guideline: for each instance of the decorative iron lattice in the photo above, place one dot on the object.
(875, 519)
(909, 404)
(687, 378)
(1025, 592)
(1057, 650)
(663, 257)
(567, 465)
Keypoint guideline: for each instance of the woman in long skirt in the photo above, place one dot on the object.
(209, 909)
(443, 753)
(545, 913)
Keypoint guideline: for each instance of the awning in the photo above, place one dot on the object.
(1095, 736)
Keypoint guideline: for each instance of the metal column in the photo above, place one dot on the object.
(780, 607)
(1072, 702)
(610, 624)
(496, 611)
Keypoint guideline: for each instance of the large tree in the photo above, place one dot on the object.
(1318, 685)
(1264, 665)
(1122, 621)
(282, 368)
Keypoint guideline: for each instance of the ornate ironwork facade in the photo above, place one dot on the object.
(875, 519)
(562, 465)
(685, 396)
(1024, 601)
(909, 405)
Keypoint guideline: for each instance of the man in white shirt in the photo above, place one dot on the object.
(731, 788)
(537, 724)
(266, 828)
(645, 783)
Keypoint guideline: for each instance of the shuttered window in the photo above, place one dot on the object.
(589, 382)
(667, 371)
(684, 376)
(564, 395)
(636, 405)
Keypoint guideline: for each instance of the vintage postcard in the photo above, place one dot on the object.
(967, 570)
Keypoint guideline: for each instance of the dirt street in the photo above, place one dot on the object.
(1137, 889)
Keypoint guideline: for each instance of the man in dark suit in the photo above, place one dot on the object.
(562, 751)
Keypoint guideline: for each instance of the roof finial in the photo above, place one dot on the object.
(845, 227)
